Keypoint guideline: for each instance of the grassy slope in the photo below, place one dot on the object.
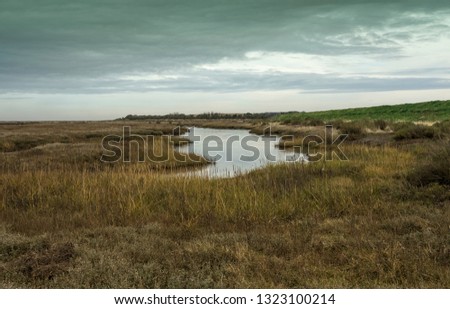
(427, 111)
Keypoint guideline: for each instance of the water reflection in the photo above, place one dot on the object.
(234, 152)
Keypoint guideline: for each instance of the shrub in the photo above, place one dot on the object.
(380, 124)
(305, 121)
(435, 168)
(354, 130)
(413, 131)
(20, 144)
(314, 122)
(442, 127)
(337, 124)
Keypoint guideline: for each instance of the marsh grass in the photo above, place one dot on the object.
(408, 131)
(434, 168)
(357, 223)
(367, 132)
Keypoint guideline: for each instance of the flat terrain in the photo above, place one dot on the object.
(379, 219)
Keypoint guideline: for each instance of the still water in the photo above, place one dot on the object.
(234, 152)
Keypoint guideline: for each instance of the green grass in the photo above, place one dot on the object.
(427, 111)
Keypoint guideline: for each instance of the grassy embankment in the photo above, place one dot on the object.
(380, 219)
(380, 125)
(426, 111)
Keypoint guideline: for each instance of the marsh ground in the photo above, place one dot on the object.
(380, 219)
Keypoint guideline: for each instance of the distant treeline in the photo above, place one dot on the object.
(207, 116)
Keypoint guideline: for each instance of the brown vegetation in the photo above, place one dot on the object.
(363, 223)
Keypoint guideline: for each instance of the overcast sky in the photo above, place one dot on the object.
(103, 59)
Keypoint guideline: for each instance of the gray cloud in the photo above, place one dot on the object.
(53, 46)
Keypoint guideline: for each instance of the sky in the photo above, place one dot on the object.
(104, 59)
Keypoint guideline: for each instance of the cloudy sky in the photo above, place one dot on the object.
(102, 59)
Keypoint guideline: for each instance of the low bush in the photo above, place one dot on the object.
(443, 128)
(337, 124)
(413, 131)
(380, 124)
(353, 129)
(314, 122)
(434, 169)
(20, 144)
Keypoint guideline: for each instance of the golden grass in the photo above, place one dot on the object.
(355, 223)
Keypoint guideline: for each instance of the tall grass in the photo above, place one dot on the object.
(408, 131)
(434, 167)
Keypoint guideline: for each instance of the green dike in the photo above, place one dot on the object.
(426, 111)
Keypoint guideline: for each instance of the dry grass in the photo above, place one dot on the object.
(356, 223)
